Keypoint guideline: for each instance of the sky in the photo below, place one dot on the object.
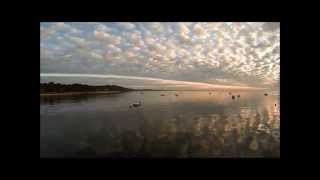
(162, 55)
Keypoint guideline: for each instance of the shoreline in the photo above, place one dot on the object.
(117, 92)
(80, 93)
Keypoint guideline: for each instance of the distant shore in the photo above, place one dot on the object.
(57, 89)
(79, 93)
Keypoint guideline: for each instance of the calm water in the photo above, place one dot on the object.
(192, 124)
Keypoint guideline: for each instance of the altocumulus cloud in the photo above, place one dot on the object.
(236, 54)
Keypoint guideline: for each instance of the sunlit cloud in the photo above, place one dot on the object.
(247, 54)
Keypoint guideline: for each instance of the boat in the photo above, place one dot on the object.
(135, 104)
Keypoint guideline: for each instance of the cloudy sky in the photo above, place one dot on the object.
(162, 55)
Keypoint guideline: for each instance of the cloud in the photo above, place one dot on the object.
(200, 31)
(244, 53)
(105, 37)
(126, 25)
(155, 26)
(271, 26)
(61, 25)
(183, 29)
(102, 28)
(78, 41)
(96, 55)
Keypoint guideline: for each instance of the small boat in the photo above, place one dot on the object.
(266, 94)
(162, 95)
(275, 104)
(233, 97)
(135, 104)
(177, 95)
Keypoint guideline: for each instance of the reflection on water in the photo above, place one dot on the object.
(76, 98)
(193, 124)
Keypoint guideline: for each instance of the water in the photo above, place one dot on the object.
(192, 124)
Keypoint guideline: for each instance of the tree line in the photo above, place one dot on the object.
(57, 87)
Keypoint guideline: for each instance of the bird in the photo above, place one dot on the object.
(233, 97)
(275, 104)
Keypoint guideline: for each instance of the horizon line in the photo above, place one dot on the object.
(161, 81)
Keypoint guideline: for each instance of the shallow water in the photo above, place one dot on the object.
(192, 124)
